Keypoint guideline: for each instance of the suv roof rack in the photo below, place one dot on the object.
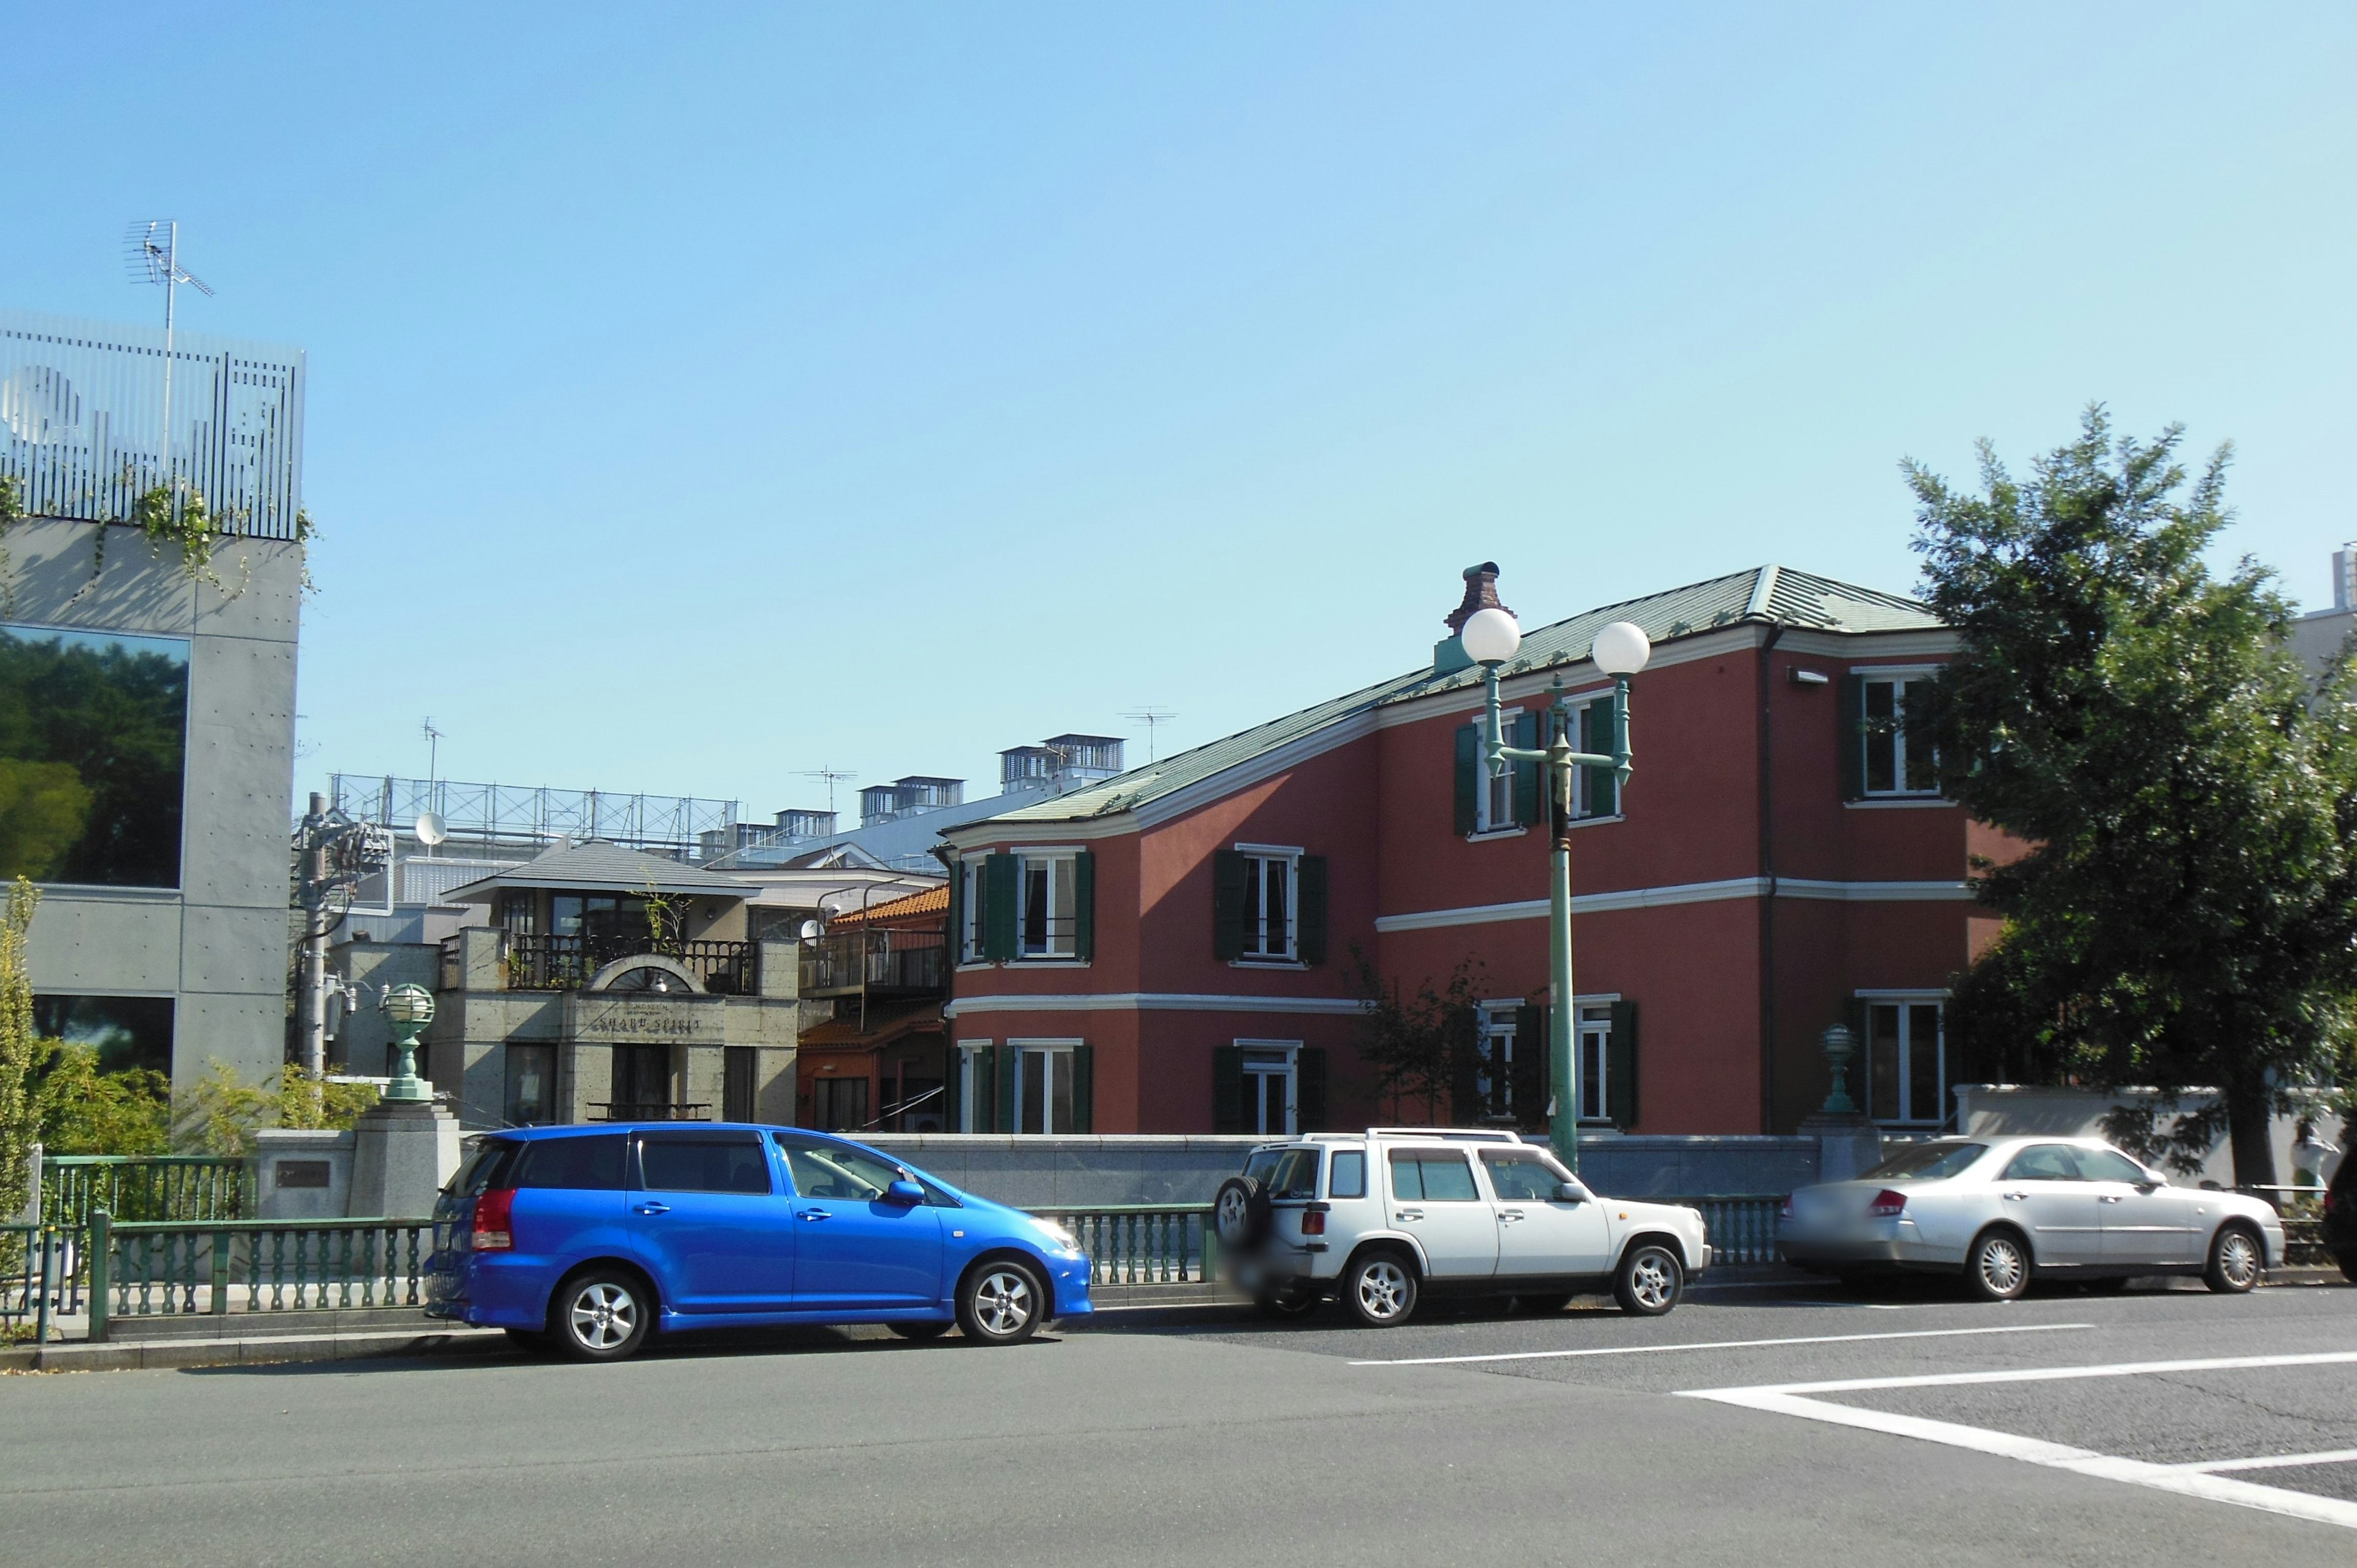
(1455, 1134)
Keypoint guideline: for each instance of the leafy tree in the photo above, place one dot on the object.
(82, 1110)
(17, 1046)
(1424, 1046)
(2184, 913)
(222, 1114)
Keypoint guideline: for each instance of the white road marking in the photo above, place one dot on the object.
(2276, 1461)
(1786, 1399)
(1722, 1344)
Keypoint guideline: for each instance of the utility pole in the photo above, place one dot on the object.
(332, 853)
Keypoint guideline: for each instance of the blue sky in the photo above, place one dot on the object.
(701, 396)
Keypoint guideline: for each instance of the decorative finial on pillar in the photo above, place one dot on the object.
(1839, 1048)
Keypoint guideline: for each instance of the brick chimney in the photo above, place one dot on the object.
(1480, 593)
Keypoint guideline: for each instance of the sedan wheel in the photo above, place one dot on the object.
(2235, 1262)
(1650, 1280)
(1999, 1267)
(1380, 1288)
(1001, 1304)
(601, 1316)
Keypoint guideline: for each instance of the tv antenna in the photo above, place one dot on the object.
(153, 252)
(1149, 716)
(833, 776)
(433, 750)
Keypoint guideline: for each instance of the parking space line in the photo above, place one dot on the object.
(2276, 1461)
(1722, 1344)
(1786, 1399)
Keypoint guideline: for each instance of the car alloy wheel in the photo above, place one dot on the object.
(601, 1318)
(1999, 1267)
(1382, 1291)
(2234, 1262)
(1650, 1281)
(1001, 1304)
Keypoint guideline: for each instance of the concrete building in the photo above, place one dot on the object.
(2319, 636)
(158, 828)
(1172, 950)
(600, 984)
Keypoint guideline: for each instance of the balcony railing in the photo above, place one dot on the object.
(886, 962)
(568, 963)
(648, 1111)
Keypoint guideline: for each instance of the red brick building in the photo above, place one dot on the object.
(1168, 951)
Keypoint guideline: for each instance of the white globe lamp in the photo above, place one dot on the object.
(1620, 648)
(1491, 636)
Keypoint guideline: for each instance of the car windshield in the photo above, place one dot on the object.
(1927, 1162)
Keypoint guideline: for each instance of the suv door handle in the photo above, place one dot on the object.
(1508, 1216)
(2112, 1196)
(817, 1214)
(653, 1209)
(2017, 1196)
(1410, 1213)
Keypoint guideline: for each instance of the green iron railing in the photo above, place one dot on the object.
(1740, 1230)
(40, 1278)
(1142, 1243)
(251, 1266)
(146, 1188)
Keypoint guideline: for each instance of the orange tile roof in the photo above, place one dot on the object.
(931, 901)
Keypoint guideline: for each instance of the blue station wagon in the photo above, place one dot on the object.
(585, 1239)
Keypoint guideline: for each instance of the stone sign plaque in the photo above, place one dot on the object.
(601, 1018)
(303, 1173)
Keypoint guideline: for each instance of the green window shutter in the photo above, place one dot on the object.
(1599, 722)
(1004, 1119)
(1527, 805)
(999, 908)
(1621, 1066)
(1309, 1089)
(1853, 737)
(1310, 908)
(1227, 875)
(1084, 906)
(956, 941)
(1085, 1088)
(1533, 1067)
(953, 1085)
(1227, 1088)
(1469, 777)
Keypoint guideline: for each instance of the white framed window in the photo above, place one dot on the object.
(1898, 759)
(1595, 1060)
(1271, 1082)
(1494, 799)
(1500, 1026)
(1271, 911)
(1043, 1085)
(1047, 904)
(974, 1085)
(1907, 1059)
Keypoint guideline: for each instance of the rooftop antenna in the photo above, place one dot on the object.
(1150, 715)
(832, 776)
(153, 252)
(433, 752)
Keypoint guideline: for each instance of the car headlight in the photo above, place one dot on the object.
(1059, 1235)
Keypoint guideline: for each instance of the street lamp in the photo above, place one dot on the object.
(1620, 650)
(409, 1008)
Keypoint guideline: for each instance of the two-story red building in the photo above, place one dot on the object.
(1168, 951)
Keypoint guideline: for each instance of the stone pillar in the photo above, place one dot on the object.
(401, 1154)
(1848, 1142)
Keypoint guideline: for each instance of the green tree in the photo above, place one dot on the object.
(223, 1112)
(80, 1110)
(2184, 913)
(1425, 1045)
(18, 1048)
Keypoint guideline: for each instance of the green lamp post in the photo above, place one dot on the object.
(1491, 637)
(410, 1008)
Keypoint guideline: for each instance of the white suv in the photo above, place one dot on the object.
(1379, 1218)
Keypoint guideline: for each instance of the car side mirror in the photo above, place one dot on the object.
(2149, 1184)
(1569, 1192)
(905, 1193)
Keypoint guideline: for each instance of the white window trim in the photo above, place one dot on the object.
(1292, 1075)
(1291, 958)
(1050, 959)
(966, 1050)
(1885, 799)
(1483, 828)
(1862, 1062)
(1067, 1045)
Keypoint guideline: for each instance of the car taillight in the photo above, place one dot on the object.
(491, 1227)
(1886, 1203)
(2329, 1193)
(1313, 1223)
(1787, 1210)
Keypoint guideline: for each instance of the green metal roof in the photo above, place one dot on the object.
(1765, 596)
(601, 867)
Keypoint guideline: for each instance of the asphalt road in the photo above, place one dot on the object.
(1207, 1437)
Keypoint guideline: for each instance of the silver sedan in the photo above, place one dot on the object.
(2002, 1210)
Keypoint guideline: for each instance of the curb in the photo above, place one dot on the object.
(257, 1350)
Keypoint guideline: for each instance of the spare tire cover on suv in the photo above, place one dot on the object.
(1240, 1212)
